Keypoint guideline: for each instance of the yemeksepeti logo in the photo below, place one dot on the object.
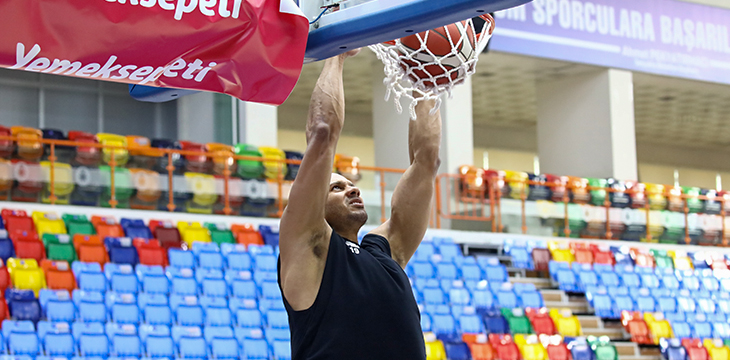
(180, 7)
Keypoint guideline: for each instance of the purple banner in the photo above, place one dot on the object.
(664, 37)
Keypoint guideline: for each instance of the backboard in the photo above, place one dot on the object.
(341, 25)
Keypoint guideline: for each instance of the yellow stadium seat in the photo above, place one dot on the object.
(566, 323)
(204, 193)
(520, 340)
(121, 154)
(717, 349)
(561, 251)
(681, 260)
(658, 327)
(273, 168)
(517, 182)
(533, 349)
(434, 348)
(193, 232)
(25, 274)
(63, 182)
(48, 223)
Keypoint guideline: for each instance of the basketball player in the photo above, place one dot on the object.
(350, 301)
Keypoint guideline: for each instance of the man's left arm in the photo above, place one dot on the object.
(411, 203)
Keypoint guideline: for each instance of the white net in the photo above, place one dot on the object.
(425, 72)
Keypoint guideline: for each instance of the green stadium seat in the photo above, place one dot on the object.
(220, 234)
(123, 186)
(518, 322)
(78, 224)
(249, 169)
(59, 247)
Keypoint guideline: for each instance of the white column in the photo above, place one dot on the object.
(457, 138)
(585, 125)
(257, 124)
(195, 117)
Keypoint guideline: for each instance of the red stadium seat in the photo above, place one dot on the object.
(6, 145)
(635, 325)
(602, 255)
(58, 275)
(504, 347)
(695, 349)
(541, 321)
(541, 258)
(90, 248)
(246, 234)
(150, 252)
(557, 349)
(29, 248)
(18, 223)
(195, 163)
(166, 233)
(107, 227)
(85, 155)
(5, 281)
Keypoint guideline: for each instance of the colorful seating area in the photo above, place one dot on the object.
(82, 285)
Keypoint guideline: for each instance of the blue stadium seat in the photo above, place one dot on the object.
(672, 349)
(709, 281)
(701, 328)
(667, 304)
(492, 269)
(254, 349)
(23, 343)
(424, 251)
(443, 325)
(649, 280)
(187, 310)
(261, 276)
(208, 255)
(255, 249)
(270, 290)
(79, 328)
(277, 319)
(706, 305)
(7, 250)
(421, 269)
(192, 348)
(645, 302)
(135, 228)
(433, 295)
(720, 329)
(212, 332)
(121, 250)
(270, 235)
(686, 301)
(224, 348)
(57, 305)
(241, 284)
(93, 345)
(495, 323)
(603, 305)
(182, 281)
(181, 258)
(56, 339)
(450, 251)
(157, 341)
(623, 302)
(218, 316)
(237, 258)
(23, 305)
(483, 299)
(690, 281)
(89, 276)
(248, 317)
(587, 277)
(121, 278)
(580, 349)
(681, 329)
(264, 262)
(124, 341)
(446, 270)
(668, 279)
(630, 279)
(531, 298)
(155, 312)
(469, 322)
(457, 350)
(90, 306)
(567, 280)
(123, 308)
(506, 296)
(521, 255)
(459, 295)
(153, 279)
(723, 302)
(608, 278)
(266, 305)
(214, 286)
(471, 272)
(282, 350)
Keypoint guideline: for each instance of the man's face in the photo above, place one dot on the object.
(344, 208)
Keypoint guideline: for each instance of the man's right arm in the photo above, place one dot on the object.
(303, 232)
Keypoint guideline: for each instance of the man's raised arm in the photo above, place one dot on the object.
(304, 233)
(411, 203)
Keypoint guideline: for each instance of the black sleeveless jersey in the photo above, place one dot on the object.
(365, 308)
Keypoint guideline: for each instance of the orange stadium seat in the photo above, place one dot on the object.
(348, 166)
(29, 146)
(148, 191)
(90, 248)
(221, 157)
(582, 253)
(636, 327)
(642, 257)
(578, 188)
(246, 234)
(107, 227)
(479, 346)
(58, 275)
(141, 154)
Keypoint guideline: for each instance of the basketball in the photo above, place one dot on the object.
(438, 54)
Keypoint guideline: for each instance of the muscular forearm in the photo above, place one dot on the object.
(424, 135)
(327, 107)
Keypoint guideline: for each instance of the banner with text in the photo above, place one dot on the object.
(664, 37)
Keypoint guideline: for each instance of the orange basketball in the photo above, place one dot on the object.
(438, 53)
